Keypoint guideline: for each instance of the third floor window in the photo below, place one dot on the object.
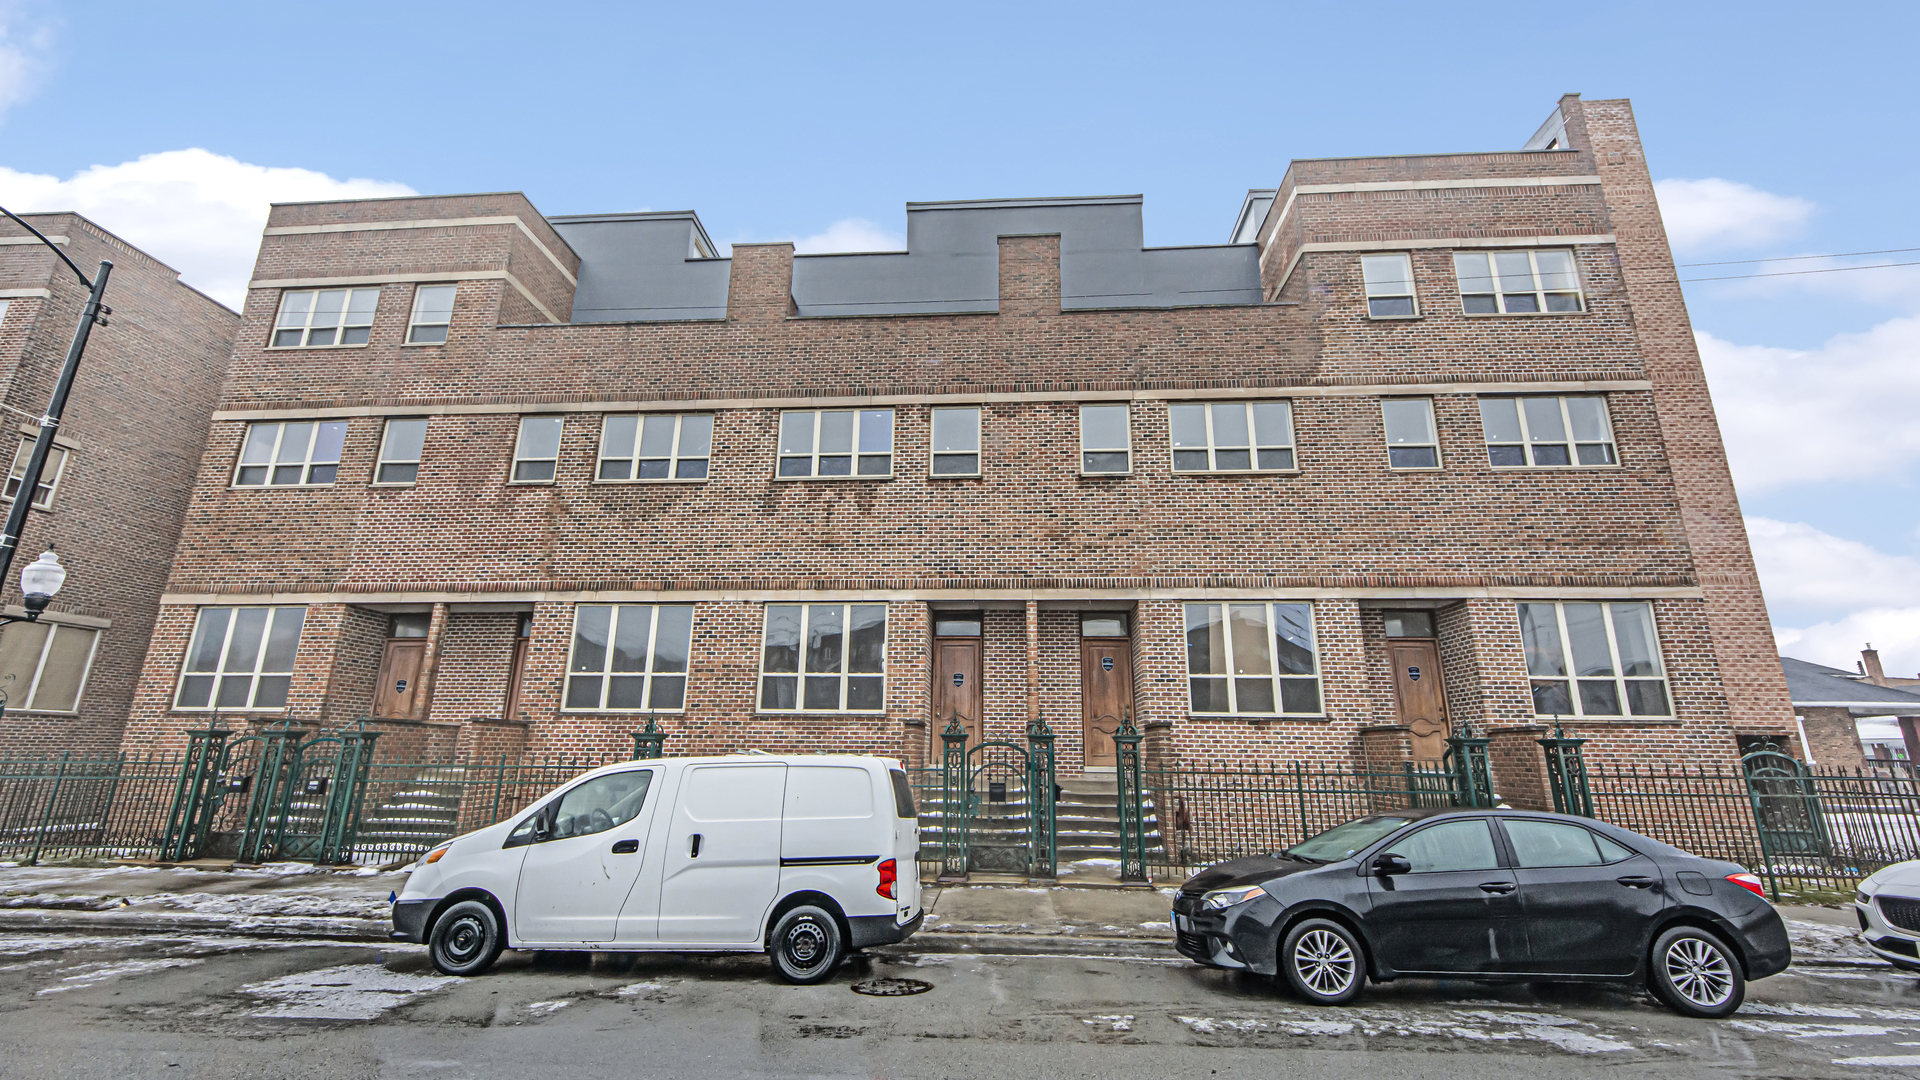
(1517, 282)
(286, 455)
(432, 312)
(836, 442)
(325, 317)
(1545, 432)
(655, 446)
(1239, 436)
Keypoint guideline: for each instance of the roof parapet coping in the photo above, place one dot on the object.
(399, 198)
(1014, 204)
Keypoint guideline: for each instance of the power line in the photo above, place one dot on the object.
(1795, 258)
(1791, 273)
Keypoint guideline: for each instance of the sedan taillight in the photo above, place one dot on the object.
(1749, 882)
(889, 873)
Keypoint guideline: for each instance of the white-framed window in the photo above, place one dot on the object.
(956, 442)
(241, 658)
(1106, 440)
(432, 312)
(3, 310)
(49, 473)
(1517, 282)
(1238, 436)
(629, 658)
(824, 658)
(1547, 432)
(655, 446)
(836, 442)
(1252, 658)
(325, 317)
(1389, 280)
(291, 454)
(1599, 660)
(536, 452)
(44, 664)
(400, 450)
(1411, 441)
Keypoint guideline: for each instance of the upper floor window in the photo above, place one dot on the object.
(629, 657)
(400, 450)
(48, 664)
(1252, 659)
(432, 311)
(836, 442)
(1106, 439)
(1517, 282)
(285, 455)
(956, 442)
(656, 446)
(1547, 431)
(3, 310)
(1240, 436)
(1411, 442)
(536, 453)
(824, 658)
(1594, 660)
(241, 658)
(1389, 281)
(49, 473)
(325, 317)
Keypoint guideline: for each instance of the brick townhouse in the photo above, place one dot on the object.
(116, 485)
(1426, 445)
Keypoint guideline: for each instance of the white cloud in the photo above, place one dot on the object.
(1802, 566)
(1895, 632)
(23, 56)
(199, 212)
(1849, 409)
(1711, 213)
(850, 234)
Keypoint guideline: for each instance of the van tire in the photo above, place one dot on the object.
(466, 939)
(807, 945)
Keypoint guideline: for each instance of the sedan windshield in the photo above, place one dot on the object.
(1341, 841)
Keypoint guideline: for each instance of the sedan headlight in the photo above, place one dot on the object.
(1226, 898)
(1862, 898)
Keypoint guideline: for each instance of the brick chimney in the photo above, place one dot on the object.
(1870, 659)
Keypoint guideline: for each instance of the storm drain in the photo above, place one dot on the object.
(891, 987)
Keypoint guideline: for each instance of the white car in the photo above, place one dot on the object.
(804, 857)
(1888, 905)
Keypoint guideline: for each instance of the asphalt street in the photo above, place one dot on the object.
(186, 1006)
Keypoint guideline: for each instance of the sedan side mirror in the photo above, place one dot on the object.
(1390, 864)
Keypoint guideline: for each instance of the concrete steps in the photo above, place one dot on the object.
(425, 811)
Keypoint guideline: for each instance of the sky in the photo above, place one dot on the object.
(1771, 135)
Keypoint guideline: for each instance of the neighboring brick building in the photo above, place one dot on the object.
(1314, 497)
(116, 487)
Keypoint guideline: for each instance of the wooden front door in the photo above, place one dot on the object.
(1423, 699)
(397, 695)
(1106, 692)
(956, 686)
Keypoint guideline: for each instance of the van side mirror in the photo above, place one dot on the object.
(1390, 864)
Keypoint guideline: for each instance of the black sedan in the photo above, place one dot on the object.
(1486, 894)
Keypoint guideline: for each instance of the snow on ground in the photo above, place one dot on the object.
(346, 992)
(86, 975)
(1477, 1025)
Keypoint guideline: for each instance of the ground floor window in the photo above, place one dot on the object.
(1252, 659)
(43, 665)
(241, 658)
(1598, 660)
(824, 658)
(629, 657)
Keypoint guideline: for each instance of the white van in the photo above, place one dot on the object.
(803, 857)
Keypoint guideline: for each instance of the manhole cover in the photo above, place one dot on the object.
(891, 987)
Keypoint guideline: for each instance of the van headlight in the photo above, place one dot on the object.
(436, 854)
(1219, 899)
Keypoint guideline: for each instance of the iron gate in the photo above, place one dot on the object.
(276, 794)
(997, 803)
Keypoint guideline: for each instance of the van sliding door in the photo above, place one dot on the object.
(723, 854)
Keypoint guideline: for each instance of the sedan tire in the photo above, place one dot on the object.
(1323, 962)
(466, 939)
(1696, 973)
(807, 945)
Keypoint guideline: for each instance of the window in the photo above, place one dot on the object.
(956, 442)
(326, 317)
(49, 473)
(400, 452)
(1449, 846)
(413, 624)
(657, 446)
(1547, 431)
(432, 311)
(241, 658)
(43, 665)
(837, 443)
(602, 803)
(1103, 624)
(1389, 281)
(1411, 442)
(289, 455)
(3, 311)
(1237, 437)
(957, 625)
(1408, 624)
(1550, 843)
(536, 454)
(1252, 659)
(1517, 282)
(824, 658)
(1607, 651)
(1105, 442)
(629, 657)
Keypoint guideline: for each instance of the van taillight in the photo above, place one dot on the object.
(889, 873)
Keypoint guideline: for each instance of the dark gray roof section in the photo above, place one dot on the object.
(1815, 684)
(644, 267)
(952, 262)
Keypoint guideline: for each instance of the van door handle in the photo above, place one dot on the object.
(694, 852)
(1498, 888)
(1635, 882)
(626, 847)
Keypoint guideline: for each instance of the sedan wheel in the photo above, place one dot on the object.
(1323, 962)
(1696, 974)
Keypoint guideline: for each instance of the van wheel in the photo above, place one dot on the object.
(807, 945)
(1695, 973)
(1323, 963)
(466, 939)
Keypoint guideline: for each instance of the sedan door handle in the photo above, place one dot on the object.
(1636, 882)
(1498, 888)
(626, 847)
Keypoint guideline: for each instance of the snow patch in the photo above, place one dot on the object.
(1156, 926)
(1893, 1061)
(1808, 1031)
(94, 974)
(545, 1008)
(636, 989)
(1116, 1023)
(346, 992)
(1476, 1025)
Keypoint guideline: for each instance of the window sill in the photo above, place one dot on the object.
(1228, 474)
(661, 480)
(422, 344)
(225, 712)
(1084, 475)
(391, 487)
(955, 476)
(624, 713)
(1317, 718)
(1550, 468)
(857, 476)
(282, 487)
(44, 712)
(7, 500)
(531, 483)
(1395, 318)
(1416, 468)
(311, 348)
(1519, 314)
(1609, 721)
(793, 714)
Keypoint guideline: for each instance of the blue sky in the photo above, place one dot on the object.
(817, 122)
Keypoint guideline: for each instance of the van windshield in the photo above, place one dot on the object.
(902, 795)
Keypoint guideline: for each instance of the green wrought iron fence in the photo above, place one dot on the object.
(111, 806)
